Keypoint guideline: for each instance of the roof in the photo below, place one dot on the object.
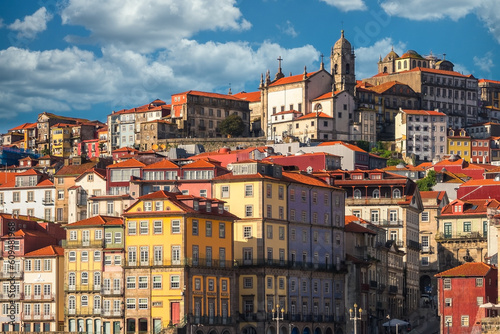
(352, 226)
(304, 179)
(433, 70)
(314, 115)
(213, 95)
(130, 163)
(22, 127)
(470, 207)
(468, 269)
(250, 97)
(423, 112)
(202, 163)
(480, 182)
(75, 169)
(162, 164)
(338, 142)
(52, 250)
(432, 194)
(97, 221)
(291, 79)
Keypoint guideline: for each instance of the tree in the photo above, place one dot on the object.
(232, 126)
(427, 182)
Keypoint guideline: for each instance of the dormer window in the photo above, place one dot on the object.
(375, 176)
(196, 205)
(209, 206)
(221, 208)
(357, 177)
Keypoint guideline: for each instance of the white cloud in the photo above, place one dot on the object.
(74, 79)
(488, 13)
(485, 63)
(430, 9)
(288, 29)
(150, 24)
(347, 5)
(31, 25)
(367, 57)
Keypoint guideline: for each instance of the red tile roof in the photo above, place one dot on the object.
(423, 112)
(97, 221)
(202, 163)
(76, 169)
(130, 163)
(22, 127)
(52, 250)
(206, 94)
(250, 97)
(338, 142)
(432, 194)
(291, 79)
(433, 70)
(314, 115)
(468, 269)
(287, 112)
(162, 164)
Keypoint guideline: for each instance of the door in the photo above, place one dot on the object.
(175, 312)
(447, 230)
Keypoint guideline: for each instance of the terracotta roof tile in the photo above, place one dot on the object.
(250, 97)
(468, 269)
(162, 164)
(291, 79)
(314, 115)
(97, 221)
(52, 250)
(130, 163)
(423, 112)
(338, 142)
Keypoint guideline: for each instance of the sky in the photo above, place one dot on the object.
(87, 58)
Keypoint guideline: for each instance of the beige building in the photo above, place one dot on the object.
(433, 202)
(155, 134)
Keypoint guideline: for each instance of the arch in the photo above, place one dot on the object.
(396, 193)
(425, 281)
(419, 63)
(328, 331)
(376, 193)
(213, 331)
(249, 330)
(318, 107)
(357, 194)
(399, 65)
(385, 69)
(414, 64)
(143, 325)
(347, 68)
(339, 331)
(226, 332)
(317, 330)
(295, 330)
(335, 69)
(306, 330)
(199, 331)
(270, 330)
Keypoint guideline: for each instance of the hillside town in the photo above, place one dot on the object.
(369, 206)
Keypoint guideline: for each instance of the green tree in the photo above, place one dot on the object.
(233, 126)
(364, 145)
(427, 182)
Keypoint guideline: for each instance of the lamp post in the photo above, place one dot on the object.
(448, 323)
(355, 316)
(278, 316)
(290, 328)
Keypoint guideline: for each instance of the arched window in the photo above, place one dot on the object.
(419, 63)
(357, 194)
(71, 279)
(414, 63)
(72, 303)
(424, 64)
(97, 302)
(335, 68)
(396, 193)
(376, 193)
(385, 69)
(406, 64)
(399, 65)
(347, 68)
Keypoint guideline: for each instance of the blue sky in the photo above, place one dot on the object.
(86, 58)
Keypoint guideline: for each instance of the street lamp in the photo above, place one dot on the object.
(448, 323)
(355, 315)
(277, 316)
(290, 328)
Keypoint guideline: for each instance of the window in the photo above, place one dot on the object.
(130, 303)
(223, 285)
(143, 282)
(269, 190)
(211, 284)
(357, 194)
(393, 215)
(396, 193)
(479, 300)
(130, 282)
(248, 210)
(176, 226)
(157, 282)
(85, 278)
(224, 191)
(425, 260)
(247, 232)
(132, 228)
(425, 216)
(479, 282)
(98, 235)
(108, 238)
(281, 191)
(27, 265)
(447, 283)
(72, 256)
(118, 237)
(465, 321)
(447, 302)
(195, 227)
(281, 231)
(467, 226)
(248, 190)
(247, 282)
(197, 284)
(85, 258)
(222, 230)
(144, 227)
(376, 193)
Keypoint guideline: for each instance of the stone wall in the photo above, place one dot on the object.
(213, 144)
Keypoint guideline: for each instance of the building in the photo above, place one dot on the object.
(291, 224)
(88, 184)
(461, 290)
(179, 264)
(93, 260)
(308, 161)
(463, 231)
(200, 114)
(433, 202)
(155, 134)
(421, 134)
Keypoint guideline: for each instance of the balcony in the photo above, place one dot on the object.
(11, 296)
(86, 311)
(34, 297)
(82, 288)
(413, 245)
(80, 244)
(47, 201)
(112, 292)
(427, 249)
(381, 288)
(365, 287)
(112, 314)
(391, 223)
(11, 275)
(372, 201)
(463, 236)
(373, 284)
(393, 289)
(186, 262)
(48, 316)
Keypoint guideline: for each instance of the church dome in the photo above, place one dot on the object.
(411, 54)
(342, 43)
(391, 56)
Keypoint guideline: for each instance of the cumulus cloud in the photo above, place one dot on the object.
(150, 24)
(367, 57)
(75, 79)
(485, 63)
(429, 9)
(488, 13)
(347, 5)
(31, 25)
(287, 29)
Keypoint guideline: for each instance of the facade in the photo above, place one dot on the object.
(155, 134)
(93, 276)
(459, 144)
(391, 202)
(461, 290)
(421, 134)
(433, 202)
(308, 161)
(276, 242)
(199, 114)
(88, 184)
(178, 266)
(463, 231)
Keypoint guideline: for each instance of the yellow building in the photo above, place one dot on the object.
(60, 135)
(93, 255)
(256, 192)
(178, 268)
(459, 143)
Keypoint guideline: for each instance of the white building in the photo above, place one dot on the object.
(89, 183)
(422, 133)
(31, 194)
